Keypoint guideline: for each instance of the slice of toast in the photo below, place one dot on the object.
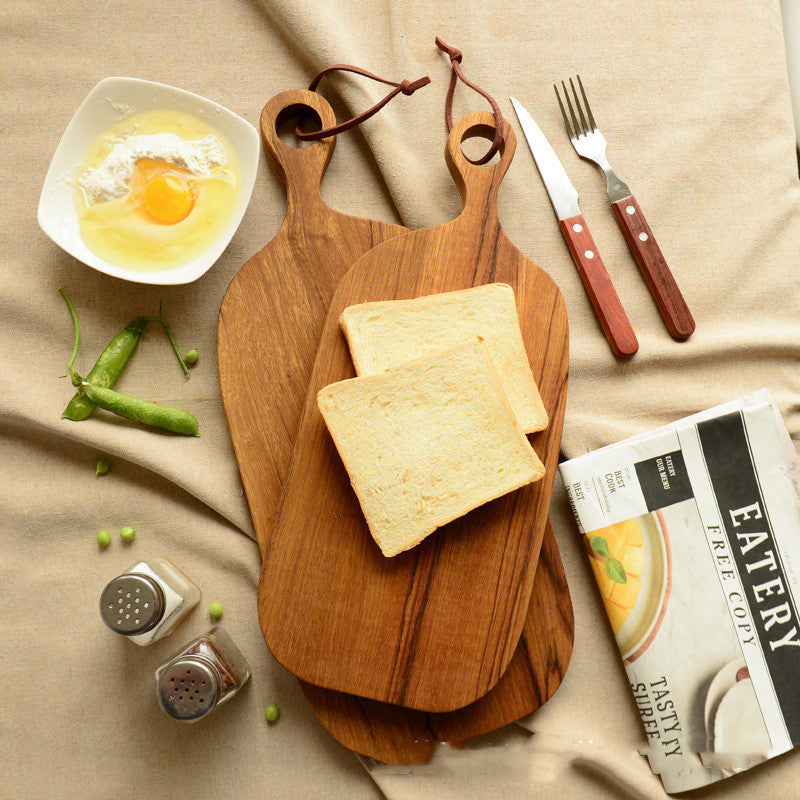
(385, 334)
(426, 442)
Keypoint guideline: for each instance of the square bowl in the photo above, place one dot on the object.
(109, 101)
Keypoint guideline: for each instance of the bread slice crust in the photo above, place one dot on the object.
(427, 442)
(385, 334)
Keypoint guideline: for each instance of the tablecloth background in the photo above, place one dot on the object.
(694, 101)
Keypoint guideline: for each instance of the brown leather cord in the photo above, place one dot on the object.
(404, 87)
(455, 62)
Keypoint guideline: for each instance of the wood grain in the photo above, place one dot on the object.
(272, 314)
(434, 628)
(388, 733)
(602, 294)
(653, 266)
(397, 735)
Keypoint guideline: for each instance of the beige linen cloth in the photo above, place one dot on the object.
(693, 99)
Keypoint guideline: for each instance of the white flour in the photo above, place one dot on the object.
(111, 179)
(123, 109)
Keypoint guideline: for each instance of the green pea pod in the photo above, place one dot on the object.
(165, 417)
(107, 368)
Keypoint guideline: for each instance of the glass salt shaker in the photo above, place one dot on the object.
(203, 675)
(148, 600)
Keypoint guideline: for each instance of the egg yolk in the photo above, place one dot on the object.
(168, 199)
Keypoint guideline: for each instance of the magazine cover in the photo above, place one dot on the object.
(693, 536)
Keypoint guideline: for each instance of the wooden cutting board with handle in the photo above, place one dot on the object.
(259, 383)
(271, 317)
(434, 628)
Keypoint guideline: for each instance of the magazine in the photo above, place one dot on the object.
(693, 535)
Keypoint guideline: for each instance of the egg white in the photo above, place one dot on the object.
(123, 233)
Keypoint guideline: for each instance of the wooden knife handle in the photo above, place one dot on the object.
(601, 291)
(653, 266)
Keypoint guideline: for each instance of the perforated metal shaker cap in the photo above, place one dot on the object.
(132, 604)
(188, 688)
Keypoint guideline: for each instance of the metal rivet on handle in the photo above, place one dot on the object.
(630, 210)
(643, 236)
(577, 227)
(589, 254)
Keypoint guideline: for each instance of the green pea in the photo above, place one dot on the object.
(103, 538)
(128, 533)
(191, 357)
(103, 466)
(215, 609)
(272, 713)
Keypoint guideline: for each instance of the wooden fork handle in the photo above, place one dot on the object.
(604, 298)
(653, 267)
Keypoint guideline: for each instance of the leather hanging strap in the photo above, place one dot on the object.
(404, 87)
(457, 73)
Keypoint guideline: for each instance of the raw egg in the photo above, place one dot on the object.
(156, 190)
(168, 198)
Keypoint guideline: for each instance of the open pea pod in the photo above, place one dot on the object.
(107, 368)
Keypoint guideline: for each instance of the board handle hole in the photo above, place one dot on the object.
(294, 116)
(475, 142)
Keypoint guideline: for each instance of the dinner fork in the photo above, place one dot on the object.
(590, 144)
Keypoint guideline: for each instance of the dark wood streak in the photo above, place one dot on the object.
(493, 662)
(412, 618)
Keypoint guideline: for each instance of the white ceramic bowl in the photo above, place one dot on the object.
(101, 109)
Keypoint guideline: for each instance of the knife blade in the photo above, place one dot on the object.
(602, 294)
(562, 193)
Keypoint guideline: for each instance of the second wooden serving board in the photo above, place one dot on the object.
(434, 628)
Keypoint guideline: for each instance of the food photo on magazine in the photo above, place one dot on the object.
(693, 535)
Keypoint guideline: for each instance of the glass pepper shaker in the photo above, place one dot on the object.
(148, 600)
(203, 675)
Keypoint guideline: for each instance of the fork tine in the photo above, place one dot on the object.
(577, 127)
(586, 103)
(584, 126)
(563, 112)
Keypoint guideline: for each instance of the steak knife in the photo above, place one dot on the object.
(602, 294)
